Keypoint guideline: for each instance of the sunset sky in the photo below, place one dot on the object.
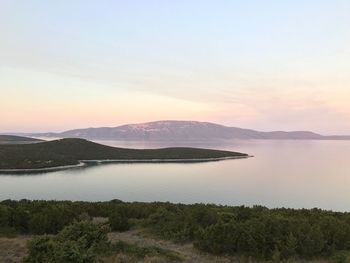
(266, 65)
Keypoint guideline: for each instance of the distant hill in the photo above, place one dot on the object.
(12, 139)
(71, 151)
(183, 131)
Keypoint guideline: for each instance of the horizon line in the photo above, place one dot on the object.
(171, 120)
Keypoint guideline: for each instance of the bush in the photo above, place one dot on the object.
(142, 252)
(80, 242)
(257, 232)
(341, 257)
(119, 220)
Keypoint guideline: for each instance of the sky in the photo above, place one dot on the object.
(266, 65)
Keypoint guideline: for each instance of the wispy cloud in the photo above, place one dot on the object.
(270, 66)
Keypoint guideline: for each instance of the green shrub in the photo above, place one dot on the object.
(119, 220)
(142, 252)
(80, 242)
(247, 232)
(341, 257)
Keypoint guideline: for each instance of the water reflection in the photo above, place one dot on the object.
(282, 173)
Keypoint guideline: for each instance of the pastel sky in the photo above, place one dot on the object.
(267, 65)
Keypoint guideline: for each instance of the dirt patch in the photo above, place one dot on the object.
(187, 251)
(13, 249)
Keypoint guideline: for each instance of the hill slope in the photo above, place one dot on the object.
(12, 139)
(71, 151)
(184, 131)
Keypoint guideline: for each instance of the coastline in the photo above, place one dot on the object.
(63, 167)
(83, 163)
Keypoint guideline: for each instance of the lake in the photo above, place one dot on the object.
(297, 174)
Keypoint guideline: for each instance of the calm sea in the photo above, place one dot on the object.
(298, 174)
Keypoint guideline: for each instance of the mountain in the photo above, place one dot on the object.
(183, 131)
(12, 139)
(71, 151)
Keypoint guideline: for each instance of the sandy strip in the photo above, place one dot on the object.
(80, 164)
(164, 160)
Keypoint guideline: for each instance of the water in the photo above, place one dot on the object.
(298, 174)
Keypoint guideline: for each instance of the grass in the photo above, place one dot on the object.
(71, 151)
(143, 252)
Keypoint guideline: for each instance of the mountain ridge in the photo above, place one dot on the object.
(175, 130)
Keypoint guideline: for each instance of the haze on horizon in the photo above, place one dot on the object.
(265, 65)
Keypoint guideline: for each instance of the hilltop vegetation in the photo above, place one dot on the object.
(71, 151)
(258, 232)
(11, 139)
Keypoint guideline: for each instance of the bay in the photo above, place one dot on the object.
(296, 174)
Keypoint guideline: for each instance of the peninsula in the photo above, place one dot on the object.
(72, 151)
(13, 139)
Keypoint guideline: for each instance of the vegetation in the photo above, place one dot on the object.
(70, 151)
(84, 241)
(142, 252)
(258, 232)
(10, 139)
(80, 242)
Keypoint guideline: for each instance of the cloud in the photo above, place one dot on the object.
(216, 64)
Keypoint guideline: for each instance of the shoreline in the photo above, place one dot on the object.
(83, 163)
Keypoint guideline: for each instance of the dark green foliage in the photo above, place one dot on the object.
(142, 252)
(40, 249)
(292, 234)
(70, 151)
(80, 242)
(265, 234)
(180, 222)
(83, 242)
(6, 214)
(5, 139)
(119, 219)
(341, 257)
(50, 219)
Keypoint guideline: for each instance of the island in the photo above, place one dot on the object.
(71, 152)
